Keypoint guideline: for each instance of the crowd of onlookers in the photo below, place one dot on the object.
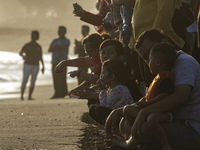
(144, 84)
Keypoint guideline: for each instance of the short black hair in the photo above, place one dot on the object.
(95, 39)
(35, 32)
(63, 28)
(117, 68)
(86, 27)
(166, 52)
(117, 45)
(154, 35)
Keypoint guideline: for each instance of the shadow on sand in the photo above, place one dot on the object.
(91, 138)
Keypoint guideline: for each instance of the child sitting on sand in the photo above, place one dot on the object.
(161, 59)
(117, 95)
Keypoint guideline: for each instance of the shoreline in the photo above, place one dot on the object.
(42, 123)
(15, 94)
(46, 124)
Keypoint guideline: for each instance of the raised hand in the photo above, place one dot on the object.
(78, 10)
(59, 67)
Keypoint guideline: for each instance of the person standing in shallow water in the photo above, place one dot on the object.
(32, 55)
(59, 48)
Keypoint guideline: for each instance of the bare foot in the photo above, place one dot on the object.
(118, 141)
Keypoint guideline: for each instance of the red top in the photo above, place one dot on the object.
(155, 87)
(97, 19)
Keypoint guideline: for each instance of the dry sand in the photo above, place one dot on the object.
(59, 124)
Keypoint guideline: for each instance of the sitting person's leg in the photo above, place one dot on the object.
(133, 142)
(153, 122)
(99, 113)
(130, 113)
(92, 101)
(181, 135)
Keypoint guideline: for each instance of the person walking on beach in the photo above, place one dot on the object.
(59, 48)
(32, 54)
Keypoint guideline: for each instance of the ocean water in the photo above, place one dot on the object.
(17, 19)
(11, 65)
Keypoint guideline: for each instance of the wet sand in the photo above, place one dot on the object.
(61, 124)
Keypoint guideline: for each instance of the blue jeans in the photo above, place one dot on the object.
(126, 14)
(27, 71)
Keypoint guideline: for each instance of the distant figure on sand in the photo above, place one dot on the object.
(59, 48)
(32, 54)
(79, 49)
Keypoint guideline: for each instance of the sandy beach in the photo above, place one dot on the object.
(47, 124)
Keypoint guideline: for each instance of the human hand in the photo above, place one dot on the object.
(100, 84)
(59, 67)
(72, 93)
(42, 70)
(87, 94)
(78, 10)
(24, 57)
(73, 73)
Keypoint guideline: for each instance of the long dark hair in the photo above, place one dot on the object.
(118, 69)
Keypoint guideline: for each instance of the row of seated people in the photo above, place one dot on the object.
(169, 110)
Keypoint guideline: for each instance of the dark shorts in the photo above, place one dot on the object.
(181, 135)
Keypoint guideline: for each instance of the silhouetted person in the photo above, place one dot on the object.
(79, 49)
(32, 54)
(59, 48)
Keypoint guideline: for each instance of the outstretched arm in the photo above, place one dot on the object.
(91, 78)
(58, 48)
(142, 104)
(94, 19)
(78, 62)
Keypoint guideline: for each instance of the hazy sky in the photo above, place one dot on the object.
(19, 17)
(41, 13)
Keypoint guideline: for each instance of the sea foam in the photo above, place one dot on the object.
(11, 65)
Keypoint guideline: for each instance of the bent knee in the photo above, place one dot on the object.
(127, 110)
(152, 119)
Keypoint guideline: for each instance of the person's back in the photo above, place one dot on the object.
(187, 71)
(155, 18)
